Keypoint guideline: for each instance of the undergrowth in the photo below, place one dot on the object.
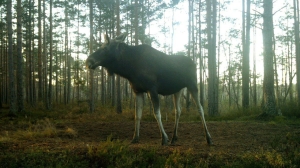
(37, 125)
(284, 152)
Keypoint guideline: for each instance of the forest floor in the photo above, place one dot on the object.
(232, 140)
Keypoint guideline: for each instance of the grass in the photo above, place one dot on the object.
(41, 127)
(115, 153)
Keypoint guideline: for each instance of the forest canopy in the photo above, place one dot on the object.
(247, 52)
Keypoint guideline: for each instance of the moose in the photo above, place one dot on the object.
(150, 71)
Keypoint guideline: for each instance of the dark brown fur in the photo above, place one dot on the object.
(147, 68)
(151, 71)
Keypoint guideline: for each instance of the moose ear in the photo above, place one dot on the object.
(121, 37)
(106, 38)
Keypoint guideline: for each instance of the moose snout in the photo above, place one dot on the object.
(89, 63)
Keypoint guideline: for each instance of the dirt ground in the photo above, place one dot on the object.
(230, 138)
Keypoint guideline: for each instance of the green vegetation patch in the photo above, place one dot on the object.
(284, 152)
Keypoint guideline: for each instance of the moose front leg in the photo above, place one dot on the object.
(138, 116)
(156, 108)
(201, 112)
(177, 115)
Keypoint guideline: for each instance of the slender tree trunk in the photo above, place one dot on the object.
(212, 68)
(229, 77)
(291, 75)
(11, 83)
(77, 59)
(49, 102)
(136, 22)
(69, 74)
(91, 72)
(297, 46)
(67, 65)
(277, 95)
(254, 69)
(2, 79)
(40, 65)
(118, 83)
(20, 96)
(102, 87)
(29, 56)
(189, 47)
(246, 60)
(56, 78)
(201, 84)
(45, 71)
(269, 106)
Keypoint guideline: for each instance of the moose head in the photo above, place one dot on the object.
(106, 54)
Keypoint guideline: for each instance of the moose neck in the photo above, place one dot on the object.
(123, 63)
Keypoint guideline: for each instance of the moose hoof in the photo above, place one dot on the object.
(164, 141)
(209, 142)
(174, 139)
(135, 140)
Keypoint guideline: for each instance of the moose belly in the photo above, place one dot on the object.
(163, 87)
(167, 87)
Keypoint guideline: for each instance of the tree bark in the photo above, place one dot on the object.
(246, 61)
(297, 46)
(91, 72)
(118, 82)
(40, 65)
(11, 82)
(45, 71)
(201, 84)
(269, 105)
(20, 95)
(212, 68)
(49, 101)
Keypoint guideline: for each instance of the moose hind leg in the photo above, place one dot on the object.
(157, 114)
(138, 116)
(194, 94)
(177, 115)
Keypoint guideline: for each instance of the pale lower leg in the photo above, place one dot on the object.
(200, 110)
(164, 136)
(177, 115)
(157, 114)
(138, 116)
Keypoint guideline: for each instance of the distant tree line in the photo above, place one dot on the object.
(43, 44)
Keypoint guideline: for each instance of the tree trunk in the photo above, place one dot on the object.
(40, 65)
(56, 79)
(11, 83)
(118, 83)
(20, 96)
(297, 46)
(45, 72)
(77, 59)
(67, 67)
(229, 77)
(189, 47)
(91, 72)
(49, 102)
(102, 87)
(201, 84)
(246, 50)
(269, 106)
(212, 68)
(30, 95)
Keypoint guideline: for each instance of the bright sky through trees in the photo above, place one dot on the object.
(230, 30)
(231, 16)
